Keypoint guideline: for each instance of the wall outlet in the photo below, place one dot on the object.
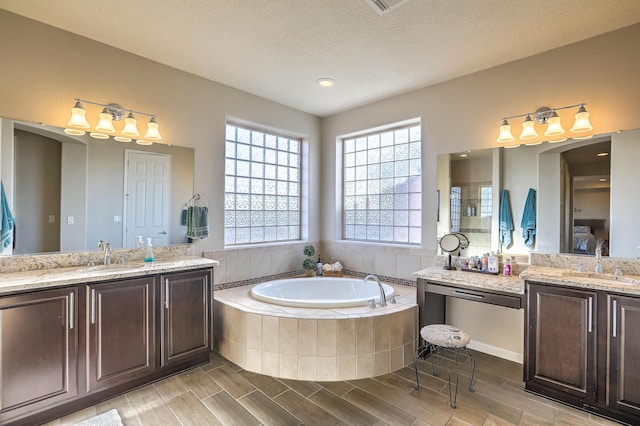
(52, 218)
(70, 220)
(117, 219)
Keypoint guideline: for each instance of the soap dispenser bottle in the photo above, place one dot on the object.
(149, 255)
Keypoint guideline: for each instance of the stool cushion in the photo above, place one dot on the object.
(445, 335)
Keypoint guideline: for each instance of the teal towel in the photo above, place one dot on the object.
(6, 221)
(528, 222)
(506, 221)
(198, 222)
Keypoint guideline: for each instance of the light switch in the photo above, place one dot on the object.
(52, 218)
(70, 220)
(117, 219)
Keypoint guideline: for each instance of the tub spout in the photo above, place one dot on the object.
(383, 297)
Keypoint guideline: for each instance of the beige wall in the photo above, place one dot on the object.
(44, 69)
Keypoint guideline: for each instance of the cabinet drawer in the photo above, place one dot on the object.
(510, 301)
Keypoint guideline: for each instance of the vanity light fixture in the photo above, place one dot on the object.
(550, 117)
(78, 124)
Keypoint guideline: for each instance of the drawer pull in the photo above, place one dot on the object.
(93, 306)
(166, 293)
(71, 310)
(590, 314)
(615, 318)
(465, 294)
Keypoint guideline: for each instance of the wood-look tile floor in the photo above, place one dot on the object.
(222, 393)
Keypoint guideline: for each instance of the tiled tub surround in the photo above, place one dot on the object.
(315, 344)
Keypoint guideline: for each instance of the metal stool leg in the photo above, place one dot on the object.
(472, 368)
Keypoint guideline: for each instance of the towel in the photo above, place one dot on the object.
(506, 221)
(6, 221)
(198, 222)
(528, 222)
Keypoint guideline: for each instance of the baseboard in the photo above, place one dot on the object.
(496, 351)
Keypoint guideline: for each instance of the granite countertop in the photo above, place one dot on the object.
(45, 278)
(627, 284)
(480, 281)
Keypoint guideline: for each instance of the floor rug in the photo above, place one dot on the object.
(110, 418)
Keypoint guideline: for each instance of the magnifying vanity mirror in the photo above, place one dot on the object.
(583, 188)
(451, 243)
(69, 192)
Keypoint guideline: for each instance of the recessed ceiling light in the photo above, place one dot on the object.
(603, 179)
(602, 154)
(326, 82)
(464, 155)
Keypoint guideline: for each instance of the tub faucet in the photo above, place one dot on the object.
(107, 251)
(383, 297)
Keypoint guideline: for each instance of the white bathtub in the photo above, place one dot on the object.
(320, 292)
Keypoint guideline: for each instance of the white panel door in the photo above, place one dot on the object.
(147, 197)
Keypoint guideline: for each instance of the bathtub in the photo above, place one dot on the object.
(320, 292)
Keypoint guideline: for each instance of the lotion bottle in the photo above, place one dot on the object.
(149, 255)
(319, 267)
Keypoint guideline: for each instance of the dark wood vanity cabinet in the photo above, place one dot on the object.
(582, 346)
(120, 324)
(185, 315)
(624, 367)
(561, 342)
(38, 356)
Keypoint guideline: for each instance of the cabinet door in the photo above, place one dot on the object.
(624, 362)
(561, 346)
(185, 313)
(39, 342)
(120, 323)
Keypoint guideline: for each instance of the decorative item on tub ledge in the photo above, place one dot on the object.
(550, 117)
(78, 124)
(309, 264)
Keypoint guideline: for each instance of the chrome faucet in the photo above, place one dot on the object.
(107, 251)
(383, 297)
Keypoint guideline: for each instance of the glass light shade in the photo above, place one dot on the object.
(98, 135)
(74, 132)
(143, 142)
(105, 125)
(558, 140)
(122, 139)
(505, 132)
(554, 128)
(582, 123)
(153, 134)
(130, 127)
(512, 146)
(78, 118)
(528, 130)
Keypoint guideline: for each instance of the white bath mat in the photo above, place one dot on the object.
(110, 418)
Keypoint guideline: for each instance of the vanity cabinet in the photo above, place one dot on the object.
(582, 346)
(185, 315)
(121, 332)
(624, 368)
(561, 341)
(38, 356)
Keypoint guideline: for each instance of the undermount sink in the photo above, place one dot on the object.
(625, 279)
(112, 267)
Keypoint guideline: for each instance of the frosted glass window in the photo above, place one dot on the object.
(262, 187)
(382, 188)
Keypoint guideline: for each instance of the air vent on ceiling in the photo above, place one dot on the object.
(383, 6)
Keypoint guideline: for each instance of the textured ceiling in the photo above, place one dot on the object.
(277, 49)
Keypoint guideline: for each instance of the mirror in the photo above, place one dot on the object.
(575, 188)
(69, 192)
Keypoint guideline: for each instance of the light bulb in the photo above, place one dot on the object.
(505, 132)
(130, 126)
(78, 118)
(153, 134)
(528, 130)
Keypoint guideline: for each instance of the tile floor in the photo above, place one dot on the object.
(222, 393)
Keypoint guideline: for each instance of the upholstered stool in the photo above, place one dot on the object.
(448, 343)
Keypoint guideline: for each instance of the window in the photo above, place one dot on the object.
(262, 187)
(382, 186)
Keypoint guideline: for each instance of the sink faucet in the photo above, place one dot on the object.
(107, 251)
(383, 297)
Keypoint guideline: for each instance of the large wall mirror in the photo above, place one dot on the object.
(69, 192)
(584, 195)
